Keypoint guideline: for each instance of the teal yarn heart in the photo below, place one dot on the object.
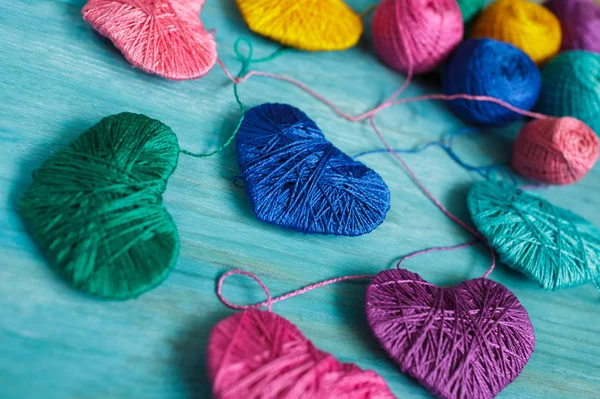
(571, 87)
(297, 179)
(551, 245)
(470, 8)
(96, 210)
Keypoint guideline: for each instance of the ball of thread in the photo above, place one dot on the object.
(550, 245)
(571, 87)
(312, 25)
(96, 207)
(580, 23)
(555, 151)
(416, 35)
(529, 26)
(257, 354)
(488, 67)
(470, 8)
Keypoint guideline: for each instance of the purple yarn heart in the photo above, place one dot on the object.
(468, 341)
(580, 23)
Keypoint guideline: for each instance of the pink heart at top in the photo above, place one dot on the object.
(468, 341)
(163, 37)
(259, 355)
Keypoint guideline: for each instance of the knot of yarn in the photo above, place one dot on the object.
(528, 26)
(487, 67)
(555, 151)
(416, 35)
(551, 245)
(297, 179)
(163, 37)
(580, 23)
(313, 25)
(96, 207)
(471, 340)
(258, 354)
(571, 87)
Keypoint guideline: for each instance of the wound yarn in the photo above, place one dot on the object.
(297, 179)
(551, 245)
(470, 8)
(471, 340)
(580, 23)
(487, 67)
(313, 25)
(416, 36)
(555, 151)
(571, 87)
(162, 37)
(95, 208)
(256, 354)
(528, 26)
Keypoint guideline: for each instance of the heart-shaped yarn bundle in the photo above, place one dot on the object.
(524, 24)
(313, 25)
(96, 209)
(163, 37)
(469, 8)
(297, 179)
(259, 355)
(551, 245)
(571, 87)
(416, 35)
(468, 341)
(555, 151)
(580, 23)
(487, 67)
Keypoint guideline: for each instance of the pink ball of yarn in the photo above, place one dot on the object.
(555, 151)
(417, 33)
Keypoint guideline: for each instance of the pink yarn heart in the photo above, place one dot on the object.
(468, 341)
(257, 354)
(163, 37)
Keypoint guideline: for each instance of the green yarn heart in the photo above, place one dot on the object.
(551, 245)
(96, 208)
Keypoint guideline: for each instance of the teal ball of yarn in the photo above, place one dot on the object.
(96, 210)
(469, 8)
(551, 245)
(571, 87)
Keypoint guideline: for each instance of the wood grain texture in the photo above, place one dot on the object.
(58, 78)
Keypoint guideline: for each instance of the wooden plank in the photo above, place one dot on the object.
(59, 77)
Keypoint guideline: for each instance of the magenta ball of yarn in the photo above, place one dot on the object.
(580, 23)
(555, 151)
(417, 33)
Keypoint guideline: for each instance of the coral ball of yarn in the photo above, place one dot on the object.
(529, 26)
(580, 23)
(486, 67)
(555, 151)
(571, 87)
(416, 35)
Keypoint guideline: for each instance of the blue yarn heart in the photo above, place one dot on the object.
(297, 179)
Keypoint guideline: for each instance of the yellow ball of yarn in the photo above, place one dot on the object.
(528, 26)
(313, 25)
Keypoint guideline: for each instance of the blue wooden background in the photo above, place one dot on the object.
(58, 77)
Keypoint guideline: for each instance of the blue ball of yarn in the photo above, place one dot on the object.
(487, 67)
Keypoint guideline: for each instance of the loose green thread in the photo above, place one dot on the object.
(246, 61)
